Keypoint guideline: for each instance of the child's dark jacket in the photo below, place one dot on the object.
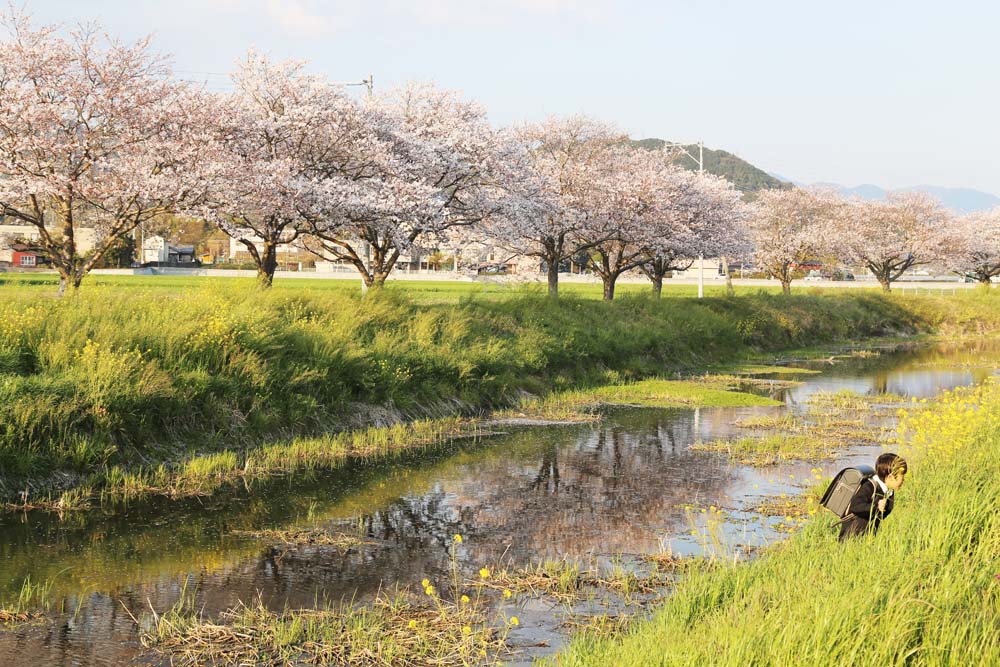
(864, 507)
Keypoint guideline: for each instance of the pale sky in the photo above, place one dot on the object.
(881, 91)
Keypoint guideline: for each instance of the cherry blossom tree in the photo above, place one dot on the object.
(278, 131)
(700, 215)
(93, 132)
(889, 237)
(978, 245)
(560, 200)
(786, 228)
(657, 217)
(670, 241)
(628, 193)
(431, 163)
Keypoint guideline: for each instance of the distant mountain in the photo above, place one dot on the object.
(961, 200)
(746, 177)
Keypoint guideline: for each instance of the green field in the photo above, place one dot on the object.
(138, 371)
(421, 291)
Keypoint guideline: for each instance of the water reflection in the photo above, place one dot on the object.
(540, 493)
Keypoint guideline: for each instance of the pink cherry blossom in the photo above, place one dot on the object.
(92, 132)
(889, 237)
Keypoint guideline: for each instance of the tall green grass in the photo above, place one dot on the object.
(924, 591)
(120, 374)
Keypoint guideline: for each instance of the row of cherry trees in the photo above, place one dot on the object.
(98, 133)
(887, 238)
(95, 132)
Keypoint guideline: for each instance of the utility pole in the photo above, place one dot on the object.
(701, 256)
(368, 83)
(700, 161)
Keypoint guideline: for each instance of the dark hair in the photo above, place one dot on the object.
(889, 464)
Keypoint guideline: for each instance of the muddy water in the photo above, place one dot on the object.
(629, 485)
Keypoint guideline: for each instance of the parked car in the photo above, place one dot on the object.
(841, 274)
(492, 270)
(815, 274)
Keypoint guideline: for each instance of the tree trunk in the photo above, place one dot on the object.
(69, 278)
(268, 265)
(730, 291)
(657, 285)
(885, 283)
(609, 287)
(786, 286)
(553, 274)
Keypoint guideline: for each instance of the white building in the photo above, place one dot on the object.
(155, 249)
(86, 238)
(238, 249)
(712, 266)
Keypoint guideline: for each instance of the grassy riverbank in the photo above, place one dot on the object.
(122, 378)
(924, 591)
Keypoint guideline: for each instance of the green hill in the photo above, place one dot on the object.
(746, 177)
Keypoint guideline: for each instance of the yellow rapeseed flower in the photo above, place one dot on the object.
(465, 599)
(457, 538)
(425, 583)
(507, 594)
(484, 573)
(412, 624)
(466, 630)
(429, 590)
(514, 620)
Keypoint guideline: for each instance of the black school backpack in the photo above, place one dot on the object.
(843, 487)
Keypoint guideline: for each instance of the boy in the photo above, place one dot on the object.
(873, 500)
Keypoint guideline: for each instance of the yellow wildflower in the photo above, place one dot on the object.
(514, 620)
(484, 573)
